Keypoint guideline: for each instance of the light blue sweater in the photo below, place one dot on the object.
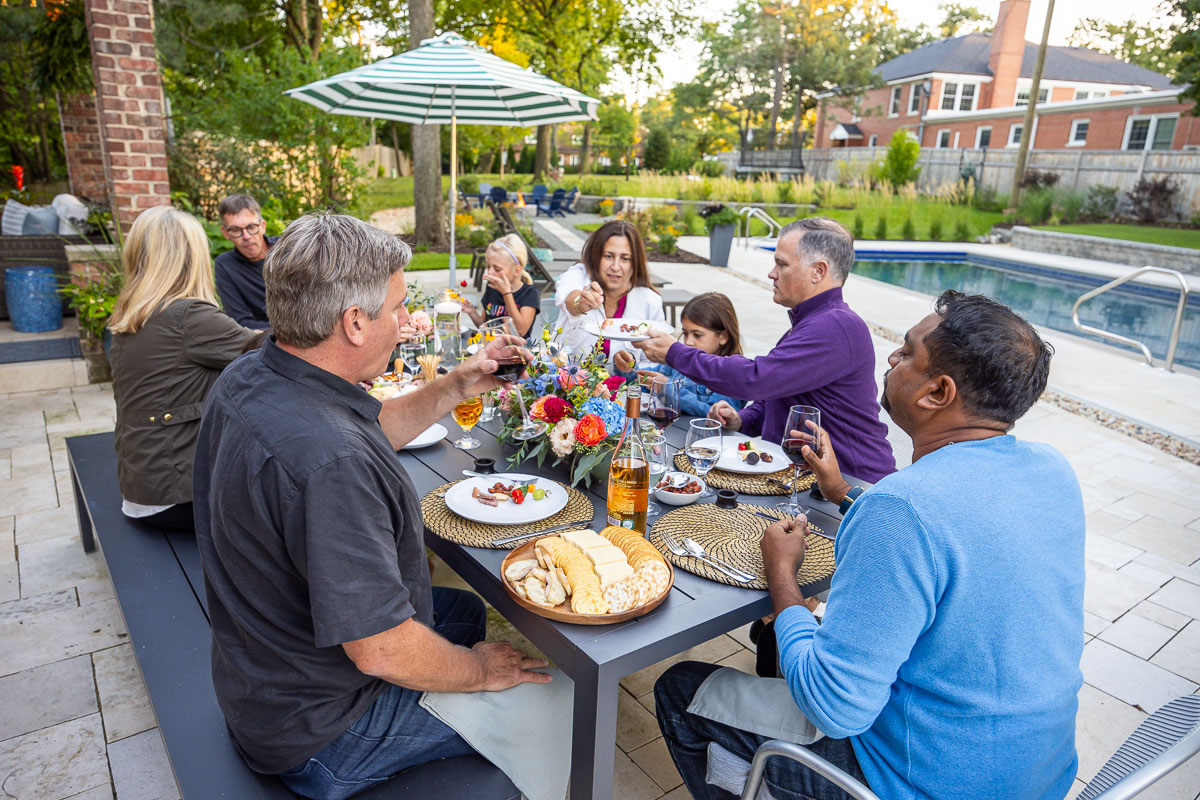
(951, 642)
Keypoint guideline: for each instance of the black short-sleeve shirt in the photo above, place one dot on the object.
(494, 305)
(310, 534)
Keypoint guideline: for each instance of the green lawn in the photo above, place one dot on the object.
(1173, 237)
(427, 261)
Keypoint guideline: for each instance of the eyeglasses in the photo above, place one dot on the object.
(249, 230)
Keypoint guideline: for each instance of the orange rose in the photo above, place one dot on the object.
(590, 430)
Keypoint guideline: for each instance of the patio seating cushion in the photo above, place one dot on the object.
(22, 220)
(159, 584)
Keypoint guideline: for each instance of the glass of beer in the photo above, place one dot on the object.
(466, 414)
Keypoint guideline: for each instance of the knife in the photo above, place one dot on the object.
(552, 529)
(502, 476)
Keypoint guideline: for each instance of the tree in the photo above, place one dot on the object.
(427, 149)
(959, 18)
(1148, 45)
(1187, 44)
(900, 162)
(658, 149)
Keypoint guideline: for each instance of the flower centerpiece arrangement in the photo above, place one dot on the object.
(576, 406)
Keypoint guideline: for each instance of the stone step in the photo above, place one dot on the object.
(37, 376)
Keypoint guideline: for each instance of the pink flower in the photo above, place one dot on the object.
(612, 384)
(421, 323)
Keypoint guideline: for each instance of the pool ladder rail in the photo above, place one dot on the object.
(747, 213)
(1116, 337)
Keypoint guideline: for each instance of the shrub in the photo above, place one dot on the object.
(859, 226)
(881, 226)
(1038, 179)
(469, 183)
(756, 194)
(823, 193)
(1153, 199)
(658, 149)
(666, 243)
(962, 232)
(1195, 220)
(479, 238)
(606, 207)
(1101, 202)
(1036, 206)
(784, 191)
(692, 222)
(908, 231)
(935, 228)
(1070, 205)
(709, 169)
(986, 199)
(900, 162)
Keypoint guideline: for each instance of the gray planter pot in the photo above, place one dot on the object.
(720, 240)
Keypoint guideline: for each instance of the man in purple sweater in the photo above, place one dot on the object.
(826, 359)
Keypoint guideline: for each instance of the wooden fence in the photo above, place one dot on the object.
(1077, 169)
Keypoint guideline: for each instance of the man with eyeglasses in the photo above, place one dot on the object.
(239, 271)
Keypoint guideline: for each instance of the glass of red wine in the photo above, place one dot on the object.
(801, 419)
(663, 408)
(511, 364)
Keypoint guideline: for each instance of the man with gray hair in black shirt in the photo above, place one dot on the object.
(326, 629)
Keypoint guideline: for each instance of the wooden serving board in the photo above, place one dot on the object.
(562, 612)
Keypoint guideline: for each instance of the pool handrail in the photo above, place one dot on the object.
(1116, 337)
(743, 225)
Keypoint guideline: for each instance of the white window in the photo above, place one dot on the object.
(983, 136)
(1150, 133)
(958, 95)
(914, 98)
(577, 139)
(1079, 131)
(894, 103)
(1014, 134)
(956, 133)
(1080, 94)
(874, 138)
(943, 137)
(1023, 96)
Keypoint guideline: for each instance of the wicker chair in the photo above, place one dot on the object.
(20, 251)
(1164, 741)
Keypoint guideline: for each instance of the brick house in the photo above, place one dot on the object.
(972, 91)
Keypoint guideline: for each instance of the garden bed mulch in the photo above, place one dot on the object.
(678, 257)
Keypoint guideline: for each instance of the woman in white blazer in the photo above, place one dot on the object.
(612, 281)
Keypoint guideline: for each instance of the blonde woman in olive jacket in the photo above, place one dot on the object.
(170, 342)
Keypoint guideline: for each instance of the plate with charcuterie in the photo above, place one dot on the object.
(627, 330)
(588, 578)
(506, 499)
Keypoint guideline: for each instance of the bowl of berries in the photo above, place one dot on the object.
(678, 489)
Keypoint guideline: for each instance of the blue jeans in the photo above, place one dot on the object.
(395, 733)
(687, 736)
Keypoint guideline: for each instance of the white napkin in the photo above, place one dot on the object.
(525, 730)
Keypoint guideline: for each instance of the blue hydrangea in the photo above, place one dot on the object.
(612, 414)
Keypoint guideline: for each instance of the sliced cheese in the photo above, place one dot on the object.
(611, 573)
(584, 540)
(605, 555)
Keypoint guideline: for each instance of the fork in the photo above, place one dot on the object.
(695, 550)
(672, 545)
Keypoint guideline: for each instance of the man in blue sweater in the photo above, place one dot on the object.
(928, 677)
(239, 272)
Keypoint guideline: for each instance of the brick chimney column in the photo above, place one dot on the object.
(81, 141)
(129, 100)
(1004, 56)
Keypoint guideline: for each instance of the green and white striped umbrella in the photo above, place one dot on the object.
(448, 80)
(448, 76)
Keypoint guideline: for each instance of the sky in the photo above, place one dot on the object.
(680, 64)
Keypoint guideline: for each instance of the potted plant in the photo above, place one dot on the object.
(721, 221)
(93, 297)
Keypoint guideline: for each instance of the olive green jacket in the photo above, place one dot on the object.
(161, 376)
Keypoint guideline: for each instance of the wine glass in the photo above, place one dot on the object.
(511, 365)
(801, 419)
(663, 408)
(409, 351)
(656, 446)
(466, 414)
(703, 449)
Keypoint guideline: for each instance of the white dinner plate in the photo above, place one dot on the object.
(611, 329)
(431, 435)
(731, 460)
(460, 501)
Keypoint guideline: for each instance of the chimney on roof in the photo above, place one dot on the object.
(1006, 52)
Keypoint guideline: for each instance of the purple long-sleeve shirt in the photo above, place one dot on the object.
(826, 360)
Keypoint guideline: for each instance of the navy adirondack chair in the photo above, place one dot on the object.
(570, 201)
(499, 194)
(554, 206)
(538, 194)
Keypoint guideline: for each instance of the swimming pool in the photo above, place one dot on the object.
(1045, 297)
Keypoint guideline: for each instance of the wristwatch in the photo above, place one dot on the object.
(849, 499)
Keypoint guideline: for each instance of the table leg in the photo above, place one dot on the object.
(594, 734)
(85, 520)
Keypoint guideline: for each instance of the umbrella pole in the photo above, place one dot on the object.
(453, 182)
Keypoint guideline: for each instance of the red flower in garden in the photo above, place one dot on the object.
(462, 284)
(613, 384)
(590, 430)
(19, 174)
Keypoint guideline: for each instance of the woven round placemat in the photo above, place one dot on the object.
(747, 484)
(733, 535)
(450, 526)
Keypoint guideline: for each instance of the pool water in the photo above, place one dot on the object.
(1045, 297)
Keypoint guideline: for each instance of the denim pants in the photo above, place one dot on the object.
(395, 733)
(687, 737)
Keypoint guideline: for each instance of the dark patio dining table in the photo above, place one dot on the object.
(595, 657)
